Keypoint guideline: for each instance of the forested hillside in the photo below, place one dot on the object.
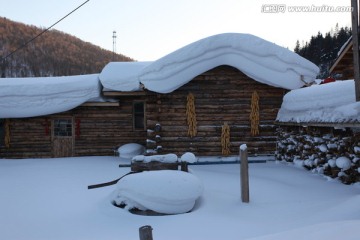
(323, 49)
(52, 54)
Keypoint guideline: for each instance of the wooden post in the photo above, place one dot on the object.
(184, 166)
(355, 39)
(145, 233)
(244, 173)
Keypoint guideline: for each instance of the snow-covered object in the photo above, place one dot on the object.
(243, 147)
(332, 102)
(343, 163)
(259, 59)
(188, 157)
(332, 163)
(130, 150)
(30, 97)
(166, 158)
(129, 71)
(166, 191)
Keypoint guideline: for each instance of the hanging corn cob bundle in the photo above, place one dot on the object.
(191, 115)
(225, 139)
(254, 115)
(7, 133)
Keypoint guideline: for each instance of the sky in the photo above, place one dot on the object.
(146, 30)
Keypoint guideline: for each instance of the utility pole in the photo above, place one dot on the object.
(114, 45)
(355, 39)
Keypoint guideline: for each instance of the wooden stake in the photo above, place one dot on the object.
(355, 39)
(244, 174)
(145, 233)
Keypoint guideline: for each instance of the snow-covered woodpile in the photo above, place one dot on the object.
(332, 152)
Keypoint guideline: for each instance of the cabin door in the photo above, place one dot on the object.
(63, 137)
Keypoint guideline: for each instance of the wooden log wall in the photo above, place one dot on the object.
(29, 138)
(222, 94)
(99, 130)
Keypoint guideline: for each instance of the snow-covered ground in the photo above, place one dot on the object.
(49, 199)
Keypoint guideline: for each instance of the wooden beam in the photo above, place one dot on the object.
(100, 104)
(121, 94)
(355, 35)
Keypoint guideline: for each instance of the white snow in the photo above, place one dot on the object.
(29, 97)
(331, 102)
(166, 158)
(111, 80)
(243, 147)
(48, 199)
(131, 150)
(343, 163)
(166, 191)
(257, 58)
(188, 157)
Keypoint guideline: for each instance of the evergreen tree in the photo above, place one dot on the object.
(324, 50)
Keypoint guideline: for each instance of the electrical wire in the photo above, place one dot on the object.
(47, 29)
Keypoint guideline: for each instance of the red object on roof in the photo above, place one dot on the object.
(328, 80)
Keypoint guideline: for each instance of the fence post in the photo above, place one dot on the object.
(145, 232)
(244, 173)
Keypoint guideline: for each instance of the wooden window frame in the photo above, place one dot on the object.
(70, 120)
(134, 114)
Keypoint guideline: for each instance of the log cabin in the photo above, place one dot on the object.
(208, 98)
(343, 66)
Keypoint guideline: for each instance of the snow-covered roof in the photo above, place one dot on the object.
(259, 59)
(326, 103)
(122, 76)
(30, 97)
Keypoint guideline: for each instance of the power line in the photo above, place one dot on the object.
(32, 39)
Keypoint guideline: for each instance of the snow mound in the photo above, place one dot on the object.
(188, 157)
(343, 163)
(130, 150)
(167, 158)
(166, 191)
(259, 59)
(332, 102)
(30, 97)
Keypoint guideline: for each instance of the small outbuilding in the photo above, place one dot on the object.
(207, 98)
(319, 128)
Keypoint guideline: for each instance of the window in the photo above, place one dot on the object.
(62, 127)
(139, 115)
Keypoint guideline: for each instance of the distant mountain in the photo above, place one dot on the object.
(54, 53)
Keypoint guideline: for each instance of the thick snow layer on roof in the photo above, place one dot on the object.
(122, 76)
(30, 97)
(166, 191)
(259, 59)
(332, 103)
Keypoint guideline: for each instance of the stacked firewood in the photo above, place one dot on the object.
(336, 155)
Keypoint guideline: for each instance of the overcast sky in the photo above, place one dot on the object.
(149, 29)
